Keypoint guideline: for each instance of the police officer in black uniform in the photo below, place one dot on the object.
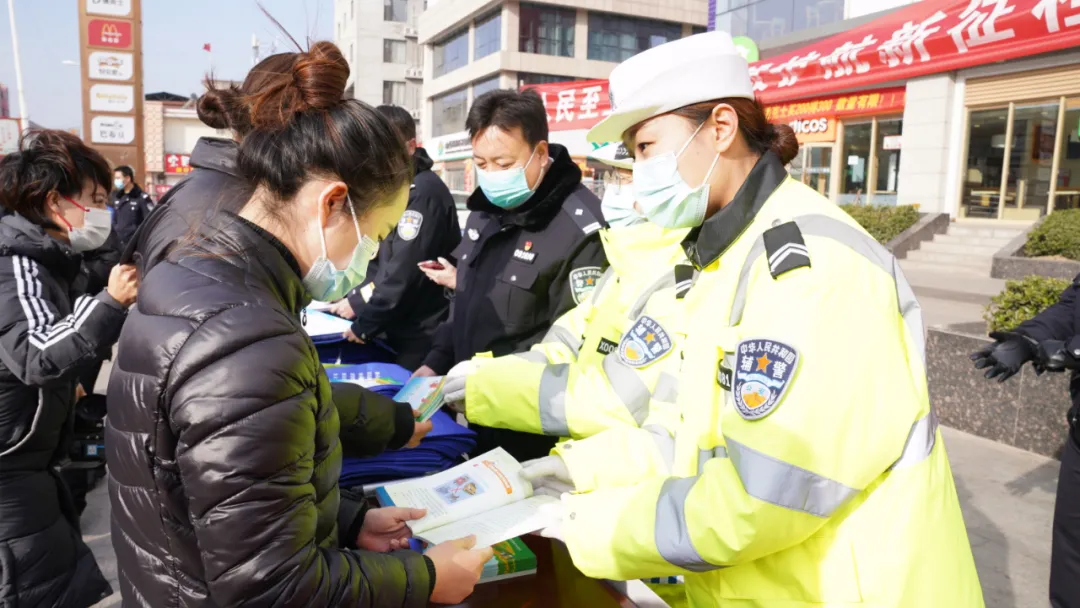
(398, 303)
(530, 245)
(131, 206)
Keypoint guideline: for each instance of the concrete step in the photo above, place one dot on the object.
(945, 260)
(987, 251)
(983, 231)
(974, 241)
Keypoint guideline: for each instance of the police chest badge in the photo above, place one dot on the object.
(646, 342)
(583, 280)
(763, 372)
(408, 226)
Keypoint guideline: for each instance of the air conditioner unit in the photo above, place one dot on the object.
(414, 72)
(411, 32)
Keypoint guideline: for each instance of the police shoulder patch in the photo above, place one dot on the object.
(764, 370)
(409, 225)
(583, 280)
(646, 342)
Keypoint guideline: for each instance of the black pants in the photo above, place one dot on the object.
(1065, 555)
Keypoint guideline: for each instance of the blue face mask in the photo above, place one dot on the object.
(664, 196)
(325, 282)
(508, 188)
(618, 206)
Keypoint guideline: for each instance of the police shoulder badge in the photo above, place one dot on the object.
(646, 342)
(583, 280)
(408, 226)
(763, 372)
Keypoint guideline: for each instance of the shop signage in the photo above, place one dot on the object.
(9, 135)
(110, 33)
(922, 38)
(879, 101)
(177, 164)
(114, 8)
(822, 128)
(112, 98)
(574, 105)
(891, 142)
(455, 146)
(747, 48)
(106, 65)
(112, 129)
(161, 189)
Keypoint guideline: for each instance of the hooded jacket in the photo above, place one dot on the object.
(518, 271)
(398, 301)
(223, 442)
(49, 331)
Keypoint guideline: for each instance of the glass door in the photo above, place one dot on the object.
(817, 170)
(1030, 159)
(1067, 189)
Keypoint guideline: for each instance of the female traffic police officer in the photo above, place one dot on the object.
(809, 469)
(552, 389)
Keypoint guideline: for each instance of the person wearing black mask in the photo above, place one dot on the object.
(131, 207)
(531, 250)
(398, 303)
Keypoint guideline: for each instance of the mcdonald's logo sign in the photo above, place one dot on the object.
(110, 34)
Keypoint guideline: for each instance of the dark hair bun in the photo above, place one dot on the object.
(213, 107)
(316, 82)
(783, 142)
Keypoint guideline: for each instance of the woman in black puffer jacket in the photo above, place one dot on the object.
(54, 191)
(223, 439)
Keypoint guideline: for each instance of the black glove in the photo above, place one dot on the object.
(1051, 357)
(1006, 356)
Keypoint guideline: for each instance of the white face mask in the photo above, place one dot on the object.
(97, 225)
(618, 206)
(324, 281)
(664, 196)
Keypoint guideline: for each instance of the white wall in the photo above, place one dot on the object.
(859, 8)
(182, 133)
(925, 150)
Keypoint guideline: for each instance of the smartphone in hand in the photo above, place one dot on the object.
(431, 265)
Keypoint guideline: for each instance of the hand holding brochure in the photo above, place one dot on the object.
(486, 496)
(425, 395)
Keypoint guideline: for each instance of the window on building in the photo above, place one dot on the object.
(855, 163)
(452, 53)
(484, 86)
(1067, 195)
(547, 30)
(455, 179)
(765, 19)
(525, 78)
(617, 38)
(985, 162)
(396, 10)
(393, 93)
(698, 29)
(488, 35)
(448, 112)
(393, 51)
(887, 160)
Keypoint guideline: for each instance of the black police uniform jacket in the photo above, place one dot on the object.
(1061, 321)
(519, 270)
(130, 210)
(49, 332)
(223, 442)
(404, 306)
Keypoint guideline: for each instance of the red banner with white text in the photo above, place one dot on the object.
(574, 105)
(924, 38)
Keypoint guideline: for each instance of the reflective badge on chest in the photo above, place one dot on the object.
(764, 370)
(646, 342)
(408, 226)
(583, 280)
(474, 234)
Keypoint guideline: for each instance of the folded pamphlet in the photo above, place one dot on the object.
(425, 395)
(486, 496)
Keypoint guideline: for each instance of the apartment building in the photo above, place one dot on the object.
(474, 46)
(379, 40)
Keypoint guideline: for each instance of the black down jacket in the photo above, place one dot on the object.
(48, 333)
(223, 442)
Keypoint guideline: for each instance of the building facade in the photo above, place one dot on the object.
(5, 102)
(379, 40)
(171, 129)
(474, 46)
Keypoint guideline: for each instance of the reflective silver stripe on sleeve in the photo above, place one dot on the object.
(862, 244)
(553, 399)
(604, 278)
(670, 533)
(707, 455)
(786, 485)
(628, 386)
(665, 444)
(560, 335)
(667, 388)
(533, 356)
(920, 442)
(665, 281)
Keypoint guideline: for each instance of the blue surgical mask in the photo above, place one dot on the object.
(664, 196)
(618, 206)
(119, 183)
(325, 282)
(508, 188)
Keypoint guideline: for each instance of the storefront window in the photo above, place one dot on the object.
(986, 154)
(1031, 159)
(888, 160)
(1067, 195)
(855, 163)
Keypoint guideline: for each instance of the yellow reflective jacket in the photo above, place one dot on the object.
(553, 388)
(808, 467)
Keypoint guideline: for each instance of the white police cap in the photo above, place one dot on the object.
(673, 75)
(613, 154)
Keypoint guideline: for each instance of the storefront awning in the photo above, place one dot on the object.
(927, 37)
